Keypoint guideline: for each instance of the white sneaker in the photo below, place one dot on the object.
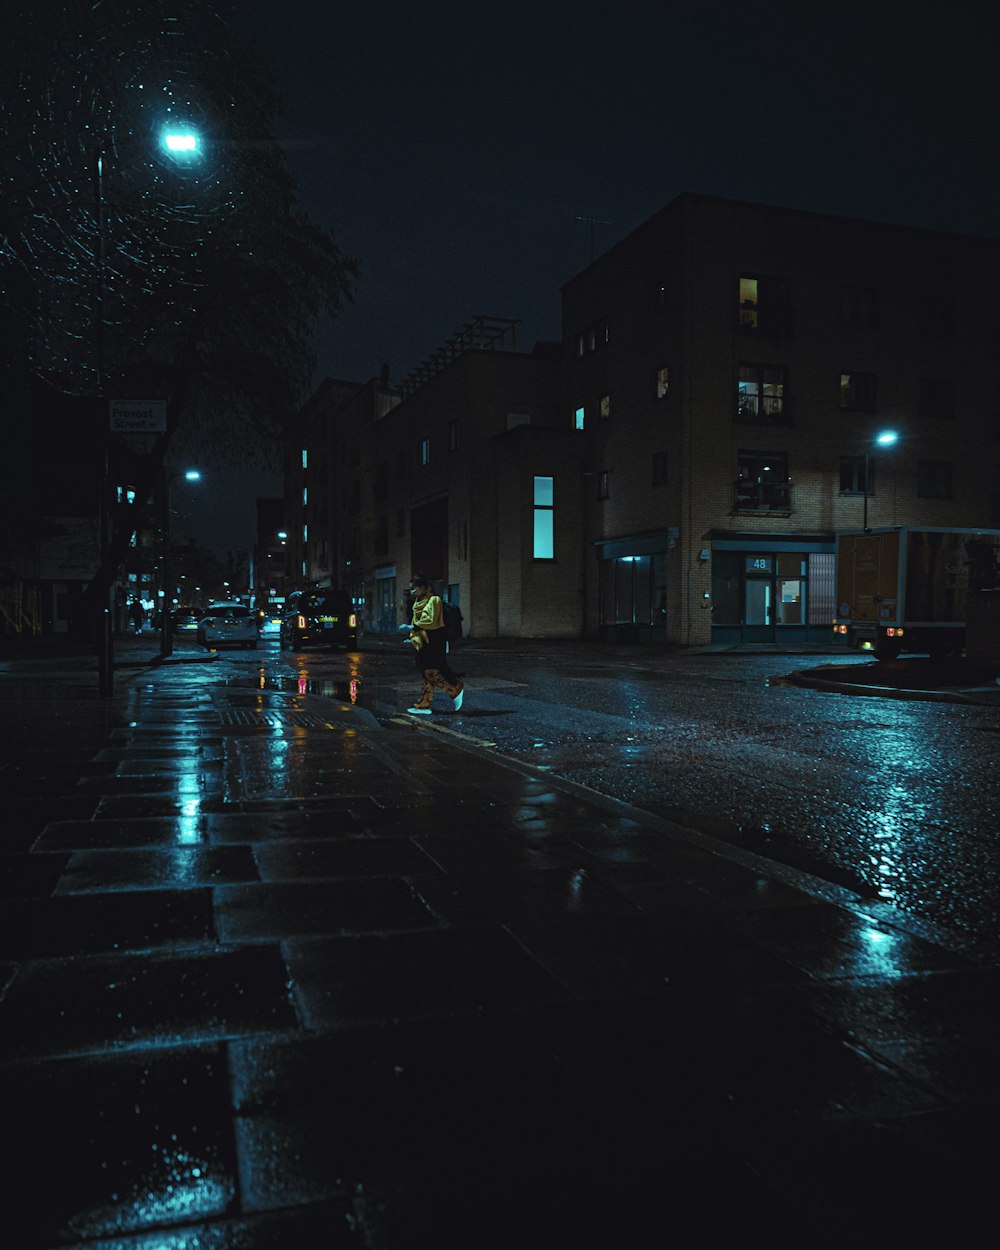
(458, 699)
(419, 711)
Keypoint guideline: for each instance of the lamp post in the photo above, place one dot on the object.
(180, 143)
(166, 572)
(105, 654)
(885, 439)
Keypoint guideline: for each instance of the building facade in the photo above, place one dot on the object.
(676, 469)
(731, 365)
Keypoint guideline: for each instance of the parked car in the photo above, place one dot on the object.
(319, 618)
(184, 619)
(228, 625)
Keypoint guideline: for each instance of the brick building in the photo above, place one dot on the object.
(730, 365)
(679, 467)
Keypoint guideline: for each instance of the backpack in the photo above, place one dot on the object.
(452, 616)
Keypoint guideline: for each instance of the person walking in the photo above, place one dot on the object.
(137, 614)
(427, 638)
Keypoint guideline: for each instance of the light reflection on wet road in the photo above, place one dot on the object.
(897, 799)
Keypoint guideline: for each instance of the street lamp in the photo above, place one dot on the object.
(166, 626)
(179, 143)
(885, 439)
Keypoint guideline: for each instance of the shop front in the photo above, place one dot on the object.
(771, 589)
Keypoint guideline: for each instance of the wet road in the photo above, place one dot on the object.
(895, 799)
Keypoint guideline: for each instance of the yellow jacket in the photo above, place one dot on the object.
(427, 615)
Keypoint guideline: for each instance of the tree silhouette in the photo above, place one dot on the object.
(129, 273)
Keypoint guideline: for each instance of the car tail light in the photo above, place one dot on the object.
(894, 632)
(840, 629)
(300, 622)
(352, 620)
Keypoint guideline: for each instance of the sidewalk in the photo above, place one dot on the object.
(274, 976)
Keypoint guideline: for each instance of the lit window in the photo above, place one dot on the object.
(305, 533)
(305, 495)
(662, 382)
(579, 417)
(748, 302)
(425, 451)
(305, 458)
(543, 518)
(761, 394)
(605, 407)
(857, 392)
(765, 305)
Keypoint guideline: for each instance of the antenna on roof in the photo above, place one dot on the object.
(593, 221)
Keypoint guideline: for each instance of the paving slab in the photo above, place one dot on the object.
(278, 976)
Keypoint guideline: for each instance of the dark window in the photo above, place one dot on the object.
(602, 484)
(937, 314)
(659, 468)
(452, 435)
(382, 535)
(762, 482)
(660, 293)
(934, 479)
(382, 480)
(857, 392)
(761, 397)
(400, 522)
(604, 407)
(937, 397)
(593, 337)
(852, 476)
(859, 306)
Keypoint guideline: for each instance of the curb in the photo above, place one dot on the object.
(805, 679)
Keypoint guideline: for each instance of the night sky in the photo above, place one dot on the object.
(454, 149)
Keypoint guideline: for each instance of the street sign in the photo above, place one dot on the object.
(137, 416)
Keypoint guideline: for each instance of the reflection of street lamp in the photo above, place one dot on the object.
(885, 439)
(166, 625)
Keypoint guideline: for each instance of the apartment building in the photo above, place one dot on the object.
(678, 467)
(463, 471)
(731, 366)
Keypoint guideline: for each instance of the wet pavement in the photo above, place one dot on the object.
(275, 973)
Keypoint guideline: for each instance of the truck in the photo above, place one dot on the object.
(907, 588)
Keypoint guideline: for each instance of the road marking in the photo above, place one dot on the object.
(417, 722)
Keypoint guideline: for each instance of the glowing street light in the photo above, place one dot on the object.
(180, 142)
(885, 439)
(166, 624)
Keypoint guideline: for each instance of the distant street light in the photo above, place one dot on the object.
(166, 625)
(885, 439)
